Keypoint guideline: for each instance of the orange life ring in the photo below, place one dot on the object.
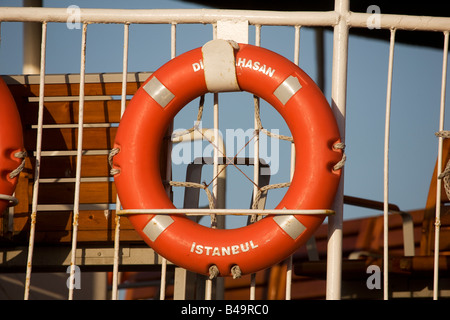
(259, 245)
(11, 146)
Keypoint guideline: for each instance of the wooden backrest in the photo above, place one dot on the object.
(102, 111)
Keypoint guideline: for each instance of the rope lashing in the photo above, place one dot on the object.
(259, 193)
(261, 128)
(20, 155)
(340, 164)
(203, 186)
(213, 272)
(445, 175)
(201, 106)
(194, 185)
(337, 146)
(13, 201)
(236, 272)
(443, 134)
(111, 155)
(210, 197)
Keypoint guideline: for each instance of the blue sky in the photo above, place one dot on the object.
(415, 99)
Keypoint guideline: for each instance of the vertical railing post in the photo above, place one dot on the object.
(76, 205)
(38, 161)
(437, 223)
(338, 97)
(386, 168)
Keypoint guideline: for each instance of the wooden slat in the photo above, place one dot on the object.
(56, 227)
(102, 111)
(90, 192)
(58, 90)
(65, 166)
(67, 139)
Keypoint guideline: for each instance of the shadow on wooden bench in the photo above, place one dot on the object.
(411, 248)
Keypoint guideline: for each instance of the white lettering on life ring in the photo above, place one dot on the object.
(223, 251)
(244, 63)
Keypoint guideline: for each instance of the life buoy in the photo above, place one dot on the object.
(11, 146)
(223, 66)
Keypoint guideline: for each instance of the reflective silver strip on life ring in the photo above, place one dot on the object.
(158, 92)
(219, 65)
(156, 226)
(290, 225)
(287, 89)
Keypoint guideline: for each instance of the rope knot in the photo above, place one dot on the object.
(111, 155)
(213, 272)
(340, 164)
(20, 155)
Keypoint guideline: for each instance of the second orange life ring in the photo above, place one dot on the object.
(11, 146)
(223, 66)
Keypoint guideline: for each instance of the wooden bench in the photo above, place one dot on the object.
(54, 219)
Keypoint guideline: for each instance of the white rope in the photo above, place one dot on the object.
(18, 170)
(236, 272)
(445, 175)
(111, 154)
(213, 272)
(340, 164)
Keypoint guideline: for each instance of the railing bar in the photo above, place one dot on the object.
(400, 22)
(208, 282)
(200, 211)
(72, 98)
(338, 104)
(256, 158)
(72, 180)
(38, 161)
(439, 169)
(163, 16)
(292, 167)
(75, 125)
(173, 53)
(191, 16)
(115, 280)
(76, 207)
(60, 153)
(162, 289)
(253, 286)
(386, 169)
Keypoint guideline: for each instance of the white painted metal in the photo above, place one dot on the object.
(168, 16)
(34, 203)
(341, 19)
(292, 167)
(338, 104)
(115, 279)
(386, 167)
(236, 212)
(76, 206)
(32, 32)
(439, 169)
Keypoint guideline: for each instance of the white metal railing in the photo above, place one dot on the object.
(341, 19)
